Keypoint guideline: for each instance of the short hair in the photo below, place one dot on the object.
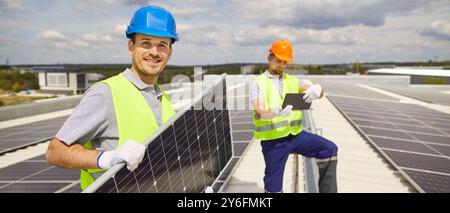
(133, 39)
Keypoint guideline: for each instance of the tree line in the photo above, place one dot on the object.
(15, 81)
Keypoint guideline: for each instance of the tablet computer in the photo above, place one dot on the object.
(296, 100)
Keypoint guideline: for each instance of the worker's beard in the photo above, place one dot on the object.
(277, 71)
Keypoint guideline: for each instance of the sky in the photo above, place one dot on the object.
(229, 31)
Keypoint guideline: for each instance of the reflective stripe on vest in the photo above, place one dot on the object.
(276, 125)
(134, 121)
(279, 126)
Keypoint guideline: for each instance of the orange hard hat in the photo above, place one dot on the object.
(282, 49)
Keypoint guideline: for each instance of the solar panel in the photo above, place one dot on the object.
(445, 150)
(420, 161)
(411, 128)
(37, 175)
(384, 132)
(372, 123)
(239, 148)
(430, 182)
(186, 154)
(30, 134)
(414, 139)
(432, 138)
(402, 145)
(243, 136)
(21, 187)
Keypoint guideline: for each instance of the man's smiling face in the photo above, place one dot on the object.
(150, 54)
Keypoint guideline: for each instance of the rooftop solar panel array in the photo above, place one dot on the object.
(13, 138)
(416, 140)
(37, 175)
(187, 154)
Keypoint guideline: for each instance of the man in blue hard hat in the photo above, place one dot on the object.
(116, 115)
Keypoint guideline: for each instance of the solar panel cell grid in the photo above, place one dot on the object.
(55, 174)
(21, 170)
(377, 124)
(108, 187)
(402, 145)
(430, 182)
(432, 138)
(29, 133)
(445, 150)
(411, 128)
(20, 187)
(412, 137)
(384, 132)
(420, 161)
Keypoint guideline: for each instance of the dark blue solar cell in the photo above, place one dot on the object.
(409, 135)
(108, 187)
(430, 182)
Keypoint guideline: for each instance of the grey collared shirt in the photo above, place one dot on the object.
(94, 119)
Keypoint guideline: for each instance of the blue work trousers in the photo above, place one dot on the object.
(276, 153)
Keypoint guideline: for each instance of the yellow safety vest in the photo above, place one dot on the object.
(135, 119)
(279, 126)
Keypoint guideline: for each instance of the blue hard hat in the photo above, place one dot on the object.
(153, 20)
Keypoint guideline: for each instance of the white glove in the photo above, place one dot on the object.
(209, 189)
(286, 112)
(312, 93)
(132, 152)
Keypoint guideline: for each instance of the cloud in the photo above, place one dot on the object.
(51, 35)
(12, 4)
(439, 30)
(93, 37)
(202, 36)
(119, 31)
(185, 8)
(323, 15)
(58, 40)
(266, 35)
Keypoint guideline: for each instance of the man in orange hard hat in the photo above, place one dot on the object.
(280, 130)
